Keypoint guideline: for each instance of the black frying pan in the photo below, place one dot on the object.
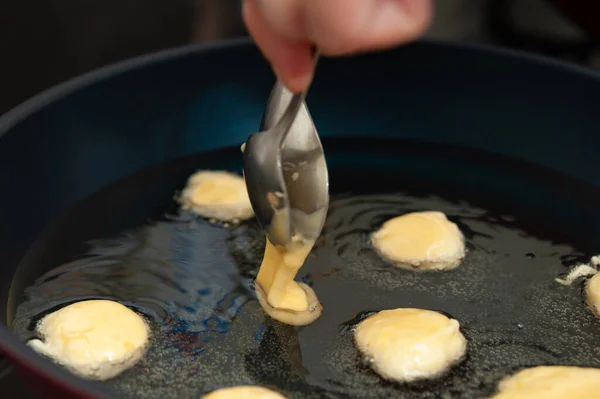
(515, 139)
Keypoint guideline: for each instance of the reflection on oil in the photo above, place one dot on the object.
(193, 282)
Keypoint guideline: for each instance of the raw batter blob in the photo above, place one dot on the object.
(551, 382)
(244, 392)
(422, 240)
(281, 297)
(577, 272)
(592, 294)
(217, 194)
(581, 270)
(94, 339)
(410, 344)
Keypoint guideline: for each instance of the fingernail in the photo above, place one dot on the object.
(294, 82)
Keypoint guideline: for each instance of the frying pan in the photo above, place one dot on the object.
(68, 142)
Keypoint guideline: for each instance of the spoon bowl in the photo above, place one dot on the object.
(285, 170)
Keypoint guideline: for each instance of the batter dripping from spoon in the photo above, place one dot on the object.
(287, 183)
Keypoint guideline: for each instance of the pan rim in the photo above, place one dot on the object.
(50, 95)
(18, 351)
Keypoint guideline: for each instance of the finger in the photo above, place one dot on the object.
(348, 26)
(345, 26)
(290, 59)
(286, 17)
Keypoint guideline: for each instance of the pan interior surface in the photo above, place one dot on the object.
(524, 226)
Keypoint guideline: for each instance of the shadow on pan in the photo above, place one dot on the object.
(73, 141)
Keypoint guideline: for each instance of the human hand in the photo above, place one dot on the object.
(287, 30)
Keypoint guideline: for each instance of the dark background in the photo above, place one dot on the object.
(45, 42)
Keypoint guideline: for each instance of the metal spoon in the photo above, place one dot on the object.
(285, 170)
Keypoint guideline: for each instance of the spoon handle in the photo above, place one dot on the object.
(289, 116)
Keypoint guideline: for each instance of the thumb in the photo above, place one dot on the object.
(284, 30)
(290, 57)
